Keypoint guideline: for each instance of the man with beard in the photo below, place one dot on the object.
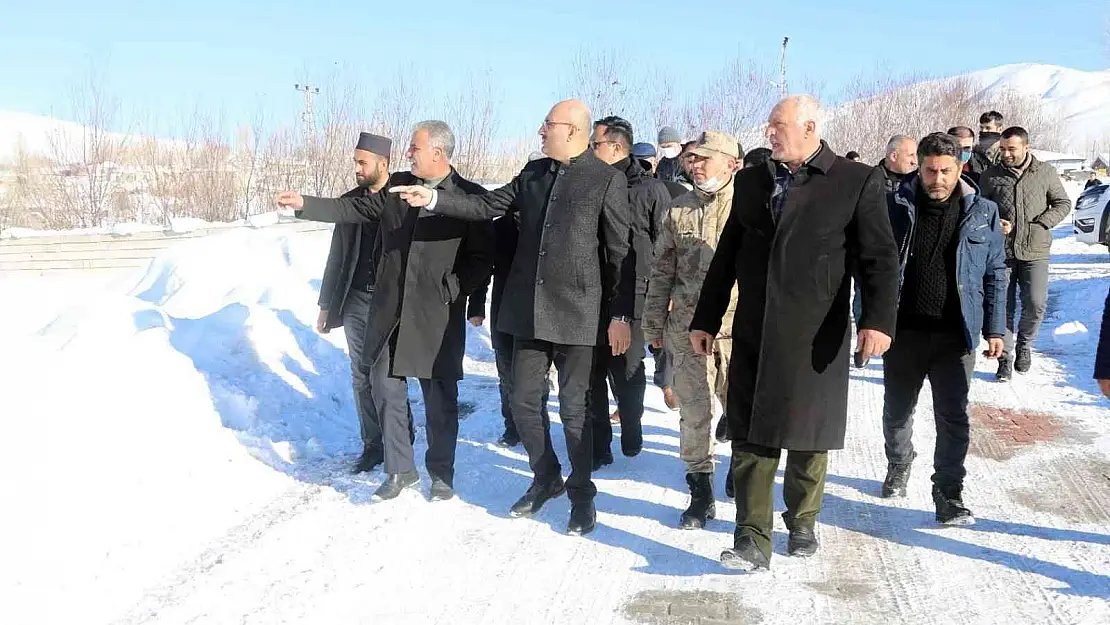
(691, 231)
(648, 199)
(953, 291)
(428, 265)
(1031, 200)
(796, 227)
(574, 228)
(348, 285)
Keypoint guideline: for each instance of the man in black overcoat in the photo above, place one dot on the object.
(428, 265)
(796, 226)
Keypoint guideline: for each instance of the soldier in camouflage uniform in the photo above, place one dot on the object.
(683, 252)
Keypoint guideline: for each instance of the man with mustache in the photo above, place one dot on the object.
(953, 291)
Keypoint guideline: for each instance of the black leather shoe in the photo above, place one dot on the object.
(802, 542)
(535, 497)
(441, 491)
(1024, 359)
(508, 440)
(583, 519)
(371, 458)
(396, 483)
(745, 556)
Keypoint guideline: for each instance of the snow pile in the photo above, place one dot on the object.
(143, 410)
(179, 443)
(1070, 333)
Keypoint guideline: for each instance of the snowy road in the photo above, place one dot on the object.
(181, 449)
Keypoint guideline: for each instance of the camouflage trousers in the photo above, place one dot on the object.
(697, 379)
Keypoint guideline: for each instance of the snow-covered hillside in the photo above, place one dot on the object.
(178, 444)
(1082, 99)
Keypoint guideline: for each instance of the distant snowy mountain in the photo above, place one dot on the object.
(1081, 98)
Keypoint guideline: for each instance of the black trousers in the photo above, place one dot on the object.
(441, 410)
(503, 356)
(532, 359)
(944, 358)
(626, 374)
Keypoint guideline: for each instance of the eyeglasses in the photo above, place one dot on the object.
(547, 124)
(596, 144)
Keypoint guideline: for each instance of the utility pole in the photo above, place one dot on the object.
(782, 69)
(308, 117)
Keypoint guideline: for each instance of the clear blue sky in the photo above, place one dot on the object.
(163, 58)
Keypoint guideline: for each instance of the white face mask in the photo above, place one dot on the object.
(711, 185)
(671, 151)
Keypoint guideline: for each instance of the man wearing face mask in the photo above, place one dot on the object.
(347, 286)
(683, 252)
(966, 137)
(670, 146)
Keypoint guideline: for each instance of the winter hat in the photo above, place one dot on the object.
(643, 150)
(668, 135)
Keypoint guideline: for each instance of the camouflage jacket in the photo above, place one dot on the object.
(683, 252)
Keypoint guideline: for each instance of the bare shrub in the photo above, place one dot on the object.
(882, 105)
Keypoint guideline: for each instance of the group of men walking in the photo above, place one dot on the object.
(734, 269)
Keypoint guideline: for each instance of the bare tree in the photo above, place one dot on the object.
(736, 100)
(602, 79)
(395, 113)
(472, 115)
(87, 158)
(248, 161)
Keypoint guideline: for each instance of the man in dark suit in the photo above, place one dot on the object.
(347, 285)
(796, 227)
(574, 227)
(428, 264)
(648, 200)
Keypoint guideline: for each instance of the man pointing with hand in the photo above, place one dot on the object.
(575, 221)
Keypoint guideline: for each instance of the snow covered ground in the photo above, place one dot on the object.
(178, 446)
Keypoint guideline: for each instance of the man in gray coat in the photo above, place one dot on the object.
(574, 231)
(1031, 201)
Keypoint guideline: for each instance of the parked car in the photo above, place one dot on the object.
(1092, 216)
